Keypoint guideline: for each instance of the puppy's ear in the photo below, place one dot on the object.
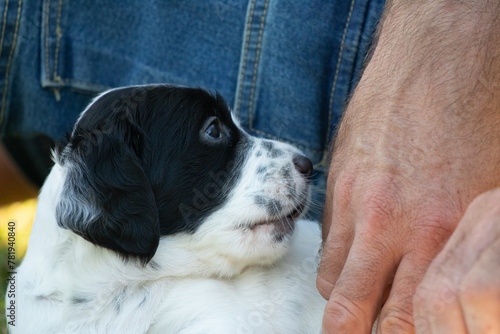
(107, 198)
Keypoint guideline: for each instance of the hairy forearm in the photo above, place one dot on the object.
(448, 49)
(430, 91)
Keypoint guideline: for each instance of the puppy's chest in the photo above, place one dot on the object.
(253, 304)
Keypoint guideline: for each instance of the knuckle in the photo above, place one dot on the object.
(380, 210)
(432, 228)
(439, 218)
(377, 200)
(342, 190)
(343, 315)
(338, 318)
(382, 196)
(397, 321)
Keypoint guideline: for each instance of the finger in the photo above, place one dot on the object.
(327, 213)
(480, 293)
(397, 314)
(436, 302)
(356, 298)
(335, 248)
(437, 309)
(338, 200)
(335, 252)
(463, 270)
(447, 316)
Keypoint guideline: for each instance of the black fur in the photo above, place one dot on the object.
(138, 164)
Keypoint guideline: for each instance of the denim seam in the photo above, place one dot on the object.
(4, 25)
(59, 35)
(7, 70)
(252, 91)
(245, 54)
(256, 64)
(47, 18)
(335, 78)
(243, 71)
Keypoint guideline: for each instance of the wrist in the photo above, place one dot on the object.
(428, 98)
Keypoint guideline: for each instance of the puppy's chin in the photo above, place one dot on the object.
(241, 246)
(279, 228)
(269, 231)
(264, 244)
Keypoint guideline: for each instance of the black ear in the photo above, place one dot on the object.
(107, 198)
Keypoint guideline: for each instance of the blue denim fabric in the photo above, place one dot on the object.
(286, 66)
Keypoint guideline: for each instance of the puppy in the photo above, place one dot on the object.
(161, 215)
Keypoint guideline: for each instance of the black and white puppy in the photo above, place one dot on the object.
(161, 215)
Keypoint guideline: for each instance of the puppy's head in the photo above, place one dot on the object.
(144, 163)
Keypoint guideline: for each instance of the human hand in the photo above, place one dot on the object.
(418, 142)
(460, 292)
(386, 219)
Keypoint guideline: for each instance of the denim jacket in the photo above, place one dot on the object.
(286, 67)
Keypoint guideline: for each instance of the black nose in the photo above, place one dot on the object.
(303, 165)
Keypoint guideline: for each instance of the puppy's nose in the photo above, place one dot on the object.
(303, 165)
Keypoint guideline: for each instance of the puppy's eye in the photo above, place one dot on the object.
(213, 131)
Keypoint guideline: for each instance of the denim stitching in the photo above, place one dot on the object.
(47, 17)
(4, 24)
(16, 31)
(245, 54)
(256, 64)
(334, 85)
(59, 35)
(242, 75)
(252, 92)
